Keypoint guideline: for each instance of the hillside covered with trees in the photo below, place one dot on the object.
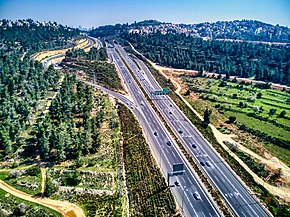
(242, 59)
(29, 35)
(24, 83)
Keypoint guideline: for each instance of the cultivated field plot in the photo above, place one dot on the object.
(13, 206)
(264, 113)
(27, 180)
(83, 179)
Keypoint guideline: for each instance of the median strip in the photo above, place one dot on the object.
(213, 192)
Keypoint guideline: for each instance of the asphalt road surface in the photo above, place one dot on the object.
(234, 191)
(166, 154)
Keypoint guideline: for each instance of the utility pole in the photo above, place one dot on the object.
(95, 80)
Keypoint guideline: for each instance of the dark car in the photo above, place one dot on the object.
(193, 145)
(155, 133)
(196, 195)
(202, 163)
(208, 163)
(180, 131)
(168, 143)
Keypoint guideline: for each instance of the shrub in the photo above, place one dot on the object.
(14, 164)
(259, 95)
(20, 210)
(50, 187)
(222, 84)
(235, 80)
(235, 96)
(272, 111)
(282, 114)
(33, 171)
(71, 179)
(232, 119)
(14, 173)
(206, 117)
(217, 105)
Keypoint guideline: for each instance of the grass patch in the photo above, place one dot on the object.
(9, 203)
(28, 180)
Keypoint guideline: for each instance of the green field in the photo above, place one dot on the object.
(27, 180)
(257, 111)
(11, 204)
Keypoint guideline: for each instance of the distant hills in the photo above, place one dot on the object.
(34, 36)
(249, 30)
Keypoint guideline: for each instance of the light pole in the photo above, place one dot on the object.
(95, 80)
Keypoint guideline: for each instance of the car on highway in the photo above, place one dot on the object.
(155, 133)
(196, 195)
(193, 145)
(170, 113)
(180, 131)
(168, 143)
(177, 183)
(208, 163)
(202, 163)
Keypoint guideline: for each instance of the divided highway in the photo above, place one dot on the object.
(191, 194)
(233, 190)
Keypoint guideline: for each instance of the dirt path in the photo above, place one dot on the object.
(273, 162)
(65, 208)
(43, 179)
(18, 168)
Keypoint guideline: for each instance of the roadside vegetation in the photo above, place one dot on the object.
(92, 54)
(147, 189)
(104, 73)
(276, 208)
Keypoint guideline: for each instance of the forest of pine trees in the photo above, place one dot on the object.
(69, 131)
(242, 59)
(93, 54)
(24, 83)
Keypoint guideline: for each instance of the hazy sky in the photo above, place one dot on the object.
(90, 13)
